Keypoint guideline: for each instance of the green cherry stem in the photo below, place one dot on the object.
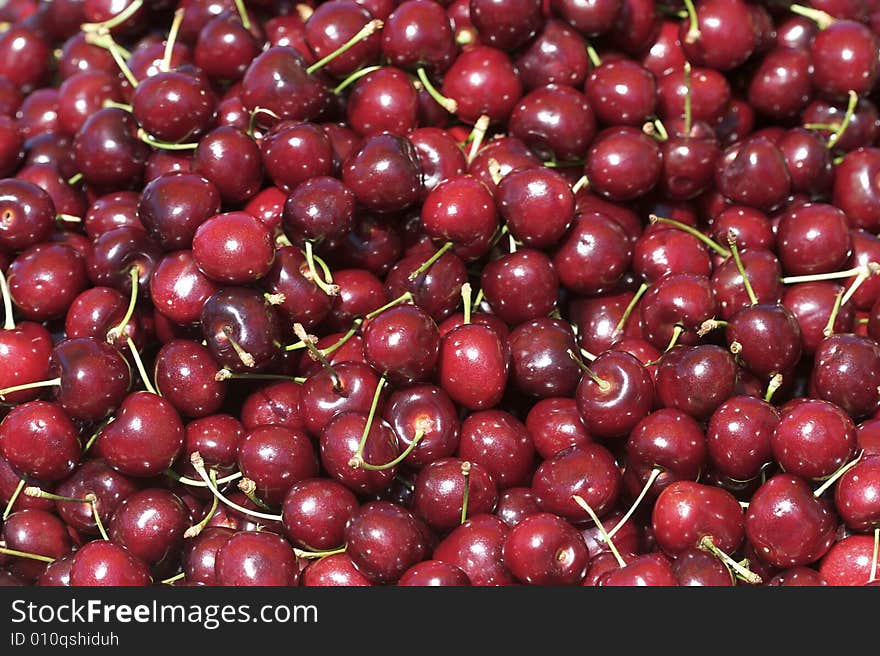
(831, 480)
(198, 464)
(774, 384)
(354, 77)
(604, 385)
(635, 504)
(734, 250)
(140, 366)
(357, 460)
(476, 137)
(466, 473)
(684, 227)
(448, 104)
(629, 308)
(605, 535)
(707, 543)
(116, 331)
(13, 499)
(165, 65)
(243, 14)
(427, 264)
(365, 32)
(9, 321)
(363, 464)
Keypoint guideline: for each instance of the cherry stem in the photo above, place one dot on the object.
(605, 536)
(252, 121)
(629, 309)
(688, 108)
(595, 59)
(816, 277)
(243, 14)
(582, 182)
(92, 500)
(693, 33)
(140, 366)
(635, 504)
(495, 170)
(405, 297)
(354, 77)
(586, 354)
(68, 218)
(466, 473)
(165, 145)
(365, 32)
(114, 21)
(249, 488)
(837, 135)
(199, 465)
(821, 18)
(55, 382)
(477, 300)
(707, 543)
(38, 493)
(873, 573)
(116, 331)
(301, 553)
(466, 299)
(691, 230)
(831, 480)
(342, 341)
(868, 270)
(22, 554)
(656, 130)
(316, 354)
(774, 384)
(13, 499)
(448, 104)
(677, 330)
(9, 322)
(74, 179)
(734, 251)
(94, 436)
(357, 460)
(191, 482)
(427, 264)
(327, 285)
(165, 65)
(478, 133)
(304, 11)
(246, 358)
(363, 464)
(604, 385)
(177, 577)
(105, 42)
(114, 51)
(709, 325)
(835, 310)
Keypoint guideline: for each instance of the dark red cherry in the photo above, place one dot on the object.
(252, 558)
(35, 532)
(38, 439)
(725, 36)
(107, 152)
(856, 495)
(520, 286)
(589, 18)
(340, 442)
(224, 48)
(434, 573)
(316, 511)
(325, 395)
(540, 361)
(233, 248)
(686, 512)
(384, 174)
(621, 92)
(27, 214)
(186, 375)
(461, 210)
(439, 492)
(476, 547)
(304, 302)
(856, 190)
(844, 59)
(384, 540)
(114, 210)
(537, 206)
(174, 205)
(499, 442)
(787, 525)
(295, 152)
(383, 101)
(555, 425)
(95, 378)
(813, 439)
(544, 549)
(738, 437)
(145, 438)
(781, 86)
(588, 471)
(179, 289)
(670, 441)
(813, 238)
(173, 106)
(428, 410)
(555, 56)
(473, 366)
(45, 279)
(440, 155)
(419, 34)
(798, 576)
(25, 57)
(696, 379)
(850, 561)
(25, 350)
(231, 160)
(846, 372)
(150, 524)
(623, 163)
(403, 343)
(696, 567)
(618, 395)
(242, 329)
(332, 25)
(105, 563)
(594, 256)
(216, 438)
(117, 252)
(754, 173)
(277, 80)
(709, 91)
(319, 209)
(555, 121)
(811, 303)
(482, 80)
(199, 558)
(276, 457)
(335, 570)
(653, 569)
(682, 300)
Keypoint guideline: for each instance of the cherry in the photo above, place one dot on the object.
(384, 540)
(256, 559)
(57, 573)
(621, 92)
(216, 438)
(224, 48)
(277, 80)
(664, 251)
(25, 57)
(331, 27)
(855, 497)
(433, 573)
(185, 375)
(849, 561)
(787, 525)
(686, 512)
(677, 304)
(92, 477)
(27, 214)
(721, 35)
(813, 439)
(781, 86)
(813, 238)
(199, 557)
(555, 56)
(326, 394)
(738, 437)
(594, 256)
(751, 328)
(418, 34)
(799, 576)
(340, 444)
(403, 342)
(104, 563)
(482, 81)
(38, 439)
(588, 471)
(520, 286)
(384, 173)
(540, 361)
(150, 524)
(107, 152)
(440, 156)
(173, 106)
(653, 569)
(29, 346)
(241, 328)
(293, 153)
(174, 205)
(476, 547)
(696, 567)
(696, 379)
(544, 549)
(710, 95)
(812, 303)
(179, 289)
(754, 173)
(667, 441)
(145, 438)
(473, 366)
(276, 457)
(499, 442)
(119, 252)
(383, 101)
(555, 424)
(428, 410)
(515, 504)
(35, 532)
(461, 210)
(316, 511)
(275, 404)
(844, 58)
(623, 163)
(509, 152)
(845, 373)
(304, 302)
(335, 570)
(555, 121)
(537, 205)
(231, 161)
(45, 279)
(855, 190)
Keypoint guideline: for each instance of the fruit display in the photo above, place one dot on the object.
(439, 292)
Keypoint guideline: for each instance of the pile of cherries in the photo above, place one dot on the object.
(468, 292)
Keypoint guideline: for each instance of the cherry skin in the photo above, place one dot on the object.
(515, 504)
(848, 562)
(315, 513)
(27, 214)
(384, 174)
(499, 442)
(813, 439)
(322, 399)
(146, 437)
(588, 471)
(419, 34)
(544, 549)
(751, 329)
(696, 567)
(540, 361)
(473, 366)
(434, 573)
(104, 563)
(482, 80)
(622, 92)
(173, 205)
(594, 255)
(811, 303)
(35, 532)
(150, 524)
(738, 437)
(332, 26)
(855, 496)
(340, 441)
(277, 80)
(754, 173)
(525, 195)
(813, 238)
(384, 100)
(319, 209)
(403, 342)
(555, 121)
(233, 248)
(106, 150)
(555, 424)
(846, 372)
(384, 540)
(555, 56)
(173, 106)
(798, 576)
(275, 457)
(787, 525)
(179, 289)
(241, 315)
(428, 410)
(686, 512)
(461, 210)
(620, 396)
(231, 161)
(726, 34)
(335, 570)
(520, 286)
(696, 379)
(652, 569)
(252, 558)
(199, 557)
(476, 547)
(275, 404)
(304, 302)
(623, 164)
(29, 346)
(92, 477)
(44, 280)
(440, 488)
(683, 299)
(185, 374)
(38, 439)
(668, 440)
(844, 59)
(216, 438)
(660, 252)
